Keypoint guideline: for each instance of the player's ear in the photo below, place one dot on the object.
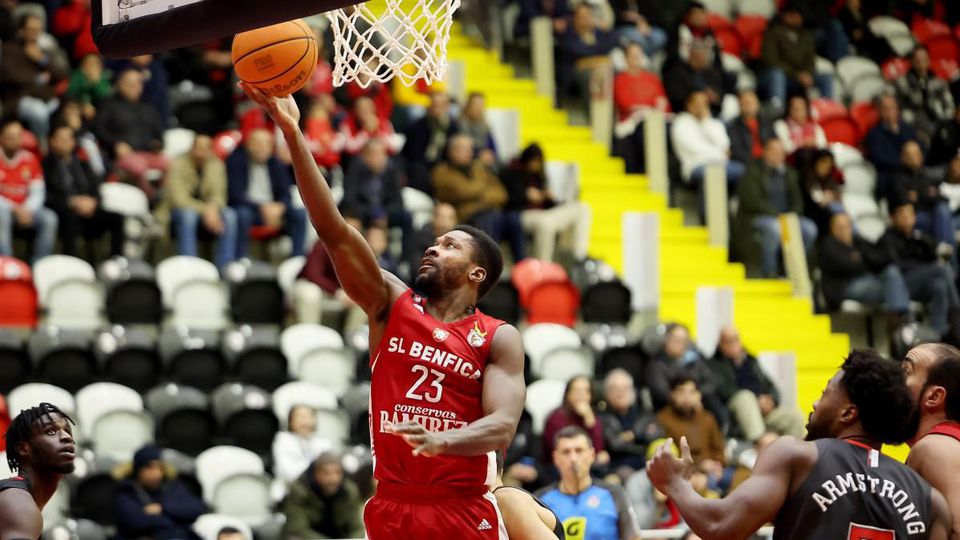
(478, 274)
(934, 398)
(23, 449)
(849, 414)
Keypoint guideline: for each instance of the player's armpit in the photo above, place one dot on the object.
(754, 503)
(20, 519)
(504, 392)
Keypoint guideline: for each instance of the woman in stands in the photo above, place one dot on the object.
(576, 410)
(294, 450)
(800, 135)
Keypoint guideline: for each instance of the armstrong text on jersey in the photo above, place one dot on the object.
(832, 491)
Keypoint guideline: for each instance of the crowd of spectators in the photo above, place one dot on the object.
(731, 79)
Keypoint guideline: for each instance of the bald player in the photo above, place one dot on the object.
(933, 376)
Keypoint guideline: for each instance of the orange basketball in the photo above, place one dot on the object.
(278, 59)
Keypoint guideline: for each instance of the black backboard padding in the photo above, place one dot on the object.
(198, 22)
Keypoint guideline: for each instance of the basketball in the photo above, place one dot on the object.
(278, 59)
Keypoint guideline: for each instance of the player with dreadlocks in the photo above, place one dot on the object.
(41, 450)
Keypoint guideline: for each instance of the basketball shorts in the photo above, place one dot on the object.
(396, 513)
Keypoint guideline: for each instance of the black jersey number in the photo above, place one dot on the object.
(865, 532)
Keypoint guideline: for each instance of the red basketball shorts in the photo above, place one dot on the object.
(390, 515)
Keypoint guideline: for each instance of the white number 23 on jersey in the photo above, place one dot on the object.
(426, 394)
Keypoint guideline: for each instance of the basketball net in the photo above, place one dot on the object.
(408, 41)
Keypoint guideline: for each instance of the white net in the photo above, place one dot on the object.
(380, 40)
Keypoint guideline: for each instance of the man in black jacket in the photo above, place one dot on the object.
(627, 429)
(371, 192)
(928, 280)
(73, 192)
(854, 269)
(913, 185)
(149, 504)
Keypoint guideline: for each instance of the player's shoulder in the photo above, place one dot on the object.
(17, 506)
(934, 451)
(789, 450)
(512, 495)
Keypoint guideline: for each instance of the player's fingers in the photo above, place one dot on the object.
(685, 449)
(409, 427)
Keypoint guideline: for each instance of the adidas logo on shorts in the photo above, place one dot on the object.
(484, 525)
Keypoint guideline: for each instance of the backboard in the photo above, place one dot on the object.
(124, 28)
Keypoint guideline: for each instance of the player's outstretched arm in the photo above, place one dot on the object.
(930, 457)
(504, 392)
(20, 519)
(738, 515)
(354, 261)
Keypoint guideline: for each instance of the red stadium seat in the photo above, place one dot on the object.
(751, 29)
(261, 233)
(825, 109)
(224, 143)
(19, 306)
(842, 129)
(946, 68)
(729, 41)
(553, 302)
(865, 116)
(926, 29)
(717, 21)
(530, 272)
(895, 68)
(943, 48)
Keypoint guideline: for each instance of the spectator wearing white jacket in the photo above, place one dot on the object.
(700, 140)
(295, 450)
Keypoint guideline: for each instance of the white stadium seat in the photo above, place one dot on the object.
(866, 87)
(859, 179)
(97, 399)
(332, 368)
(112, 418)
(851, 68)
(860, 205)
(565, 363)
(419, 204)
(193, 291)
(298, 340)
(67, 287)
(539, 339)
(301, 393)
(542, 398)
(177, 141)
(235, 484)
(287, 274)
(31, 394)
(845, 155)
(208, 526)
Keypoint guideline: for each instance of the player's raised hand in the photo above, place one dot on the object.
(424, 443)
(664, 468)
(283, 110)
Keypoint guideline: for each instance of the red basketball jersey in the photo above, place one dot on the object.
(948, 428)
(429, 372)
(17, 174)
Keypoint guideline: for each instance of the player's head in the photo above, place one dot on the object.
(868, 395)
(463, 257)
(41, 439)
(933, 376)
(573, 453)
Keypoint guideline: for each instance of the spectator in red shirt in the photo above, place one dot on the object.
(324, 141)
(635, 91)
(576, 410)
(22, 194)
(72, 26)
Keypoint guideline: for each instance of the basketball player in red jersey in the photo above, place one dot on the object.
(447, 387)
(933, 375)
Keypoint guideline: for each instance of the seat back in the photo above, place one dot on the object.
(15, 366)
(859, 179)
(824, 108)
(555, 302)
(244, 496)
(138, 368)
(136, 301)
(53, 270)
(529, 272)
(606, 302)
(76, 304)
(118, 434)
(334, 424)
(565, 363)
(173, 272)
(540, 339)
(299, 339)
(187, 430)
(19, 306)
(265, 367)
(866, 88)
(208, 526)
(331, 368)
(629, 359)
(70, 368)
(252, 429)
(200, 304)
(419, 204)
(177, 141)
(542, 398)
(200, 368)
(94, 499)
(502, 302)
(763, 8)
(841, 130)
(100, 398)
(287, 274)
(30, 394)
(257, 302)
(124, 199)
(218, 463)
(851, 68)
(301, 393)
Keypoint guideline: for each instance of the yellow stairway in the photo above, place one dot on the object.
(769, 318)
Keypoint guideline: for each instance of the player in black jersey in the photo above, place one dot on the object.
(835, 485)
(41, 450)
